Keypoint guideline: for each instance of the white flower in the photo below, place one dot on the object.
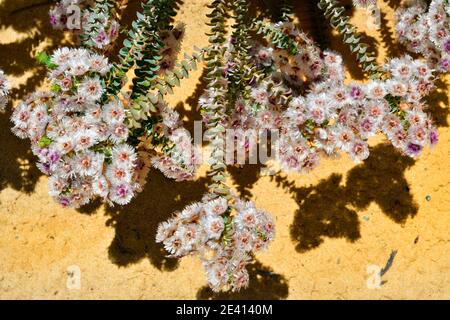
(77, 66)
(191, 212)
(85, 139)
(189, 234)
(124, 155)
(99, 63)
(171, 118)
(39, 115)
(119, 132)
(375, 90)
(65, 144)
(264, 56)
(121, 194)
(89, 163)
(4, 84)
(101, 130)
(344, 137)
(56, 185)
(166, 230)
(246, 218)
(100, 186)
(173, 245)
(216, 207)
(61, 56)
(260, 95)
(21, 115)
(359, 151)
(93, 114)
(113, 112)
(91, 89)
(213, 226)
(118, 174)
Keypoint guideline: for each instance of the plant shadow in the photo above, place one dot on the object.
(330, 208)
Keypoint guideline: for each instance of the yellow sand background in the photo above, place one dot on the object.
(331, 224)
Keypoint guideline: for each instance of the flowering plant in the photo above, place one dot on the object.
(426, 30)
(96, 139)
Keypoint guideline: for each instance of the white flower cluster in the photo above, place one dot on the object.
(426, 32)
(319, 113)
(306, 65)
(80, 142)
(225, 237)
(4, 91)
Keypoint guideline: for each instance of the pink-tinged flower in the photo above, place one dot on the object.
(264, 56)
(84, 139)
(91, 89)
(100, 187)
(359, 151)
(53, 20)
(121, 194)
(367, 127)
(65, 144)
(241, 280)
(445, 64)
(56, 185)
(89, 164)
(413, 149)
(433, 136)
(447, 47)
(216, 207)
(61, 56)
(124, 155)
(64, 202)
(113, 112)
(260, 96)
(119, 132)
(356, 92)
(101, 39)
(166, 230)
(114, 30)
(118, 174)
(53, 157)
(99, 63)
(344, 137)
(66, 83)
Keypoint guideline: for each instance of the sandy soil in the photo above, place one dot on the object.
(331, 224)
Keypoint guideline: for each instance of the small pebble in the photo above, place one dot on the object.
(428, 197)
(366, 218)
